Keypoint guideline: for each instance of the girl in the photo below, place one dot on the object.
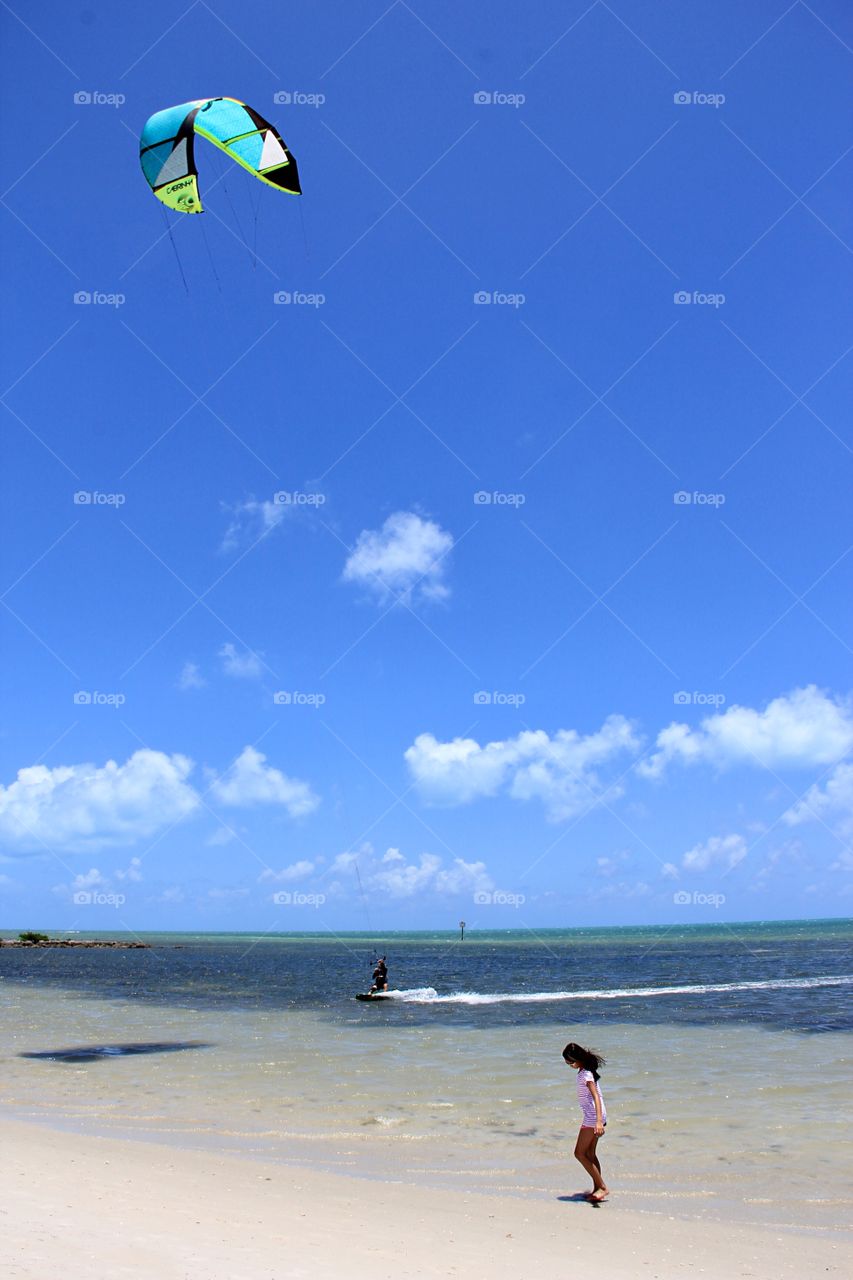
(586, 1063)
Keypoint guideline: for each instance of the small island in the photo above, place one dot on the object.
(33, 939)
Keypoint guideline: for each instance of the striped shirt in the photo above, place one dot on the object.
(586, 1100)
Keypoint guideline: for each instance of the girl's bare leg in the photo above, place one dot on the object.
(585, 1155)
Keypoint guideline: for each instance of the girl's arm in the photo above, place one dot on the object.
(599, 1115)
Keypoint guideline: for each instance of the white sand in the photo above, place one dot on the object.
(85, 1208)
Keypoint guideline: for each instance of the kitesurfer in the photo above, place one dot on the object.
(380, 976)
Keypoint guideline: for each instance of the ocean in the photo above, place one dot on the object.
(728, 1056)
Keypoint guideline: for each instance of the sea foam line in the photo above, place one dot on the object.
(429, 995)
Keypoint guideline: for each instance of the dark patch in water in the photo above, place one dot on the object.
(92, 1052)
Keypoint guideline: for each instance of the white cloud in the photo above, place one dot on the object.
(130, 872)
(832, 801)
(83, 807)
(227, 894)
(250, 521)
(191, 677)
(392, 876)
(722, 851)
(406, 557)
(221, 836)
(296, 871)
(250, 781)
(243, 666)
(557, 770)
(173, 894)
(88, 879)
(802, 728)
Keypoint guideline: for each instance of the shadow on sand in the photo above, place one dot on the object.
(93, 1052)
(581, 1197)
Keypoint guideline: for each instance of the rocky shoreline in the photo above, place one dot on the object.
(71, 942)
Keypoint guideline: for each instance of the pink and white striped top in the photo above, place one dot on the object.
(586, 1100)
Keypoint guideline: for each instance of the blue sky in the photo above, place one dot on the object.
(479, 523)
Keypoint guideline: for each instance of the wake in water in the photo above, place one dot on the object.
(429, 995)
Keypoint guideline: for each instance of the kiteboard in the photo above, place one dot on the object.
(375, 995)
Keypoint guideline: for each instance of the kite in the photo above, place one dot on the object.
(166, 149)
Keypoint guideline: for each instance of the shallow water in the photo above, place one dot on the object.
(718, 1106)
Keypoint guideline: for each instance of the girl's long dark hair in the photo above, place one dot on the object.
(591, 1061)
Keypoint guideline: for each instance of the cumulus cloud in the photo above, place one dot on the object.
(407, 557)
(832, 802)
(83, 807)
(131, 872)
(250, 521)
(243, 666)
(191, 677)
(88, 879)
(296, 871)
(719, 851)
(173, 894)
(558, 770)
(802, 728)
(251, 781)
(395, 877)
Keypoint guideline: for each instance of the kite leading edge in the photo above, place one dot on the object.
(166, 149)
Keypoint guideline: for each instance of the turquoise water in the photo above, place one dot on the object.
(728, 1057)
(792, 975)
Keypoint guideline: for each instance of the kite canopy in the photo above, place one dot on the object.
(167, 145)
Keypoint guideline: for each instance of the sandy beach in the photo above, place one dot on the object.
(84, 1208)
